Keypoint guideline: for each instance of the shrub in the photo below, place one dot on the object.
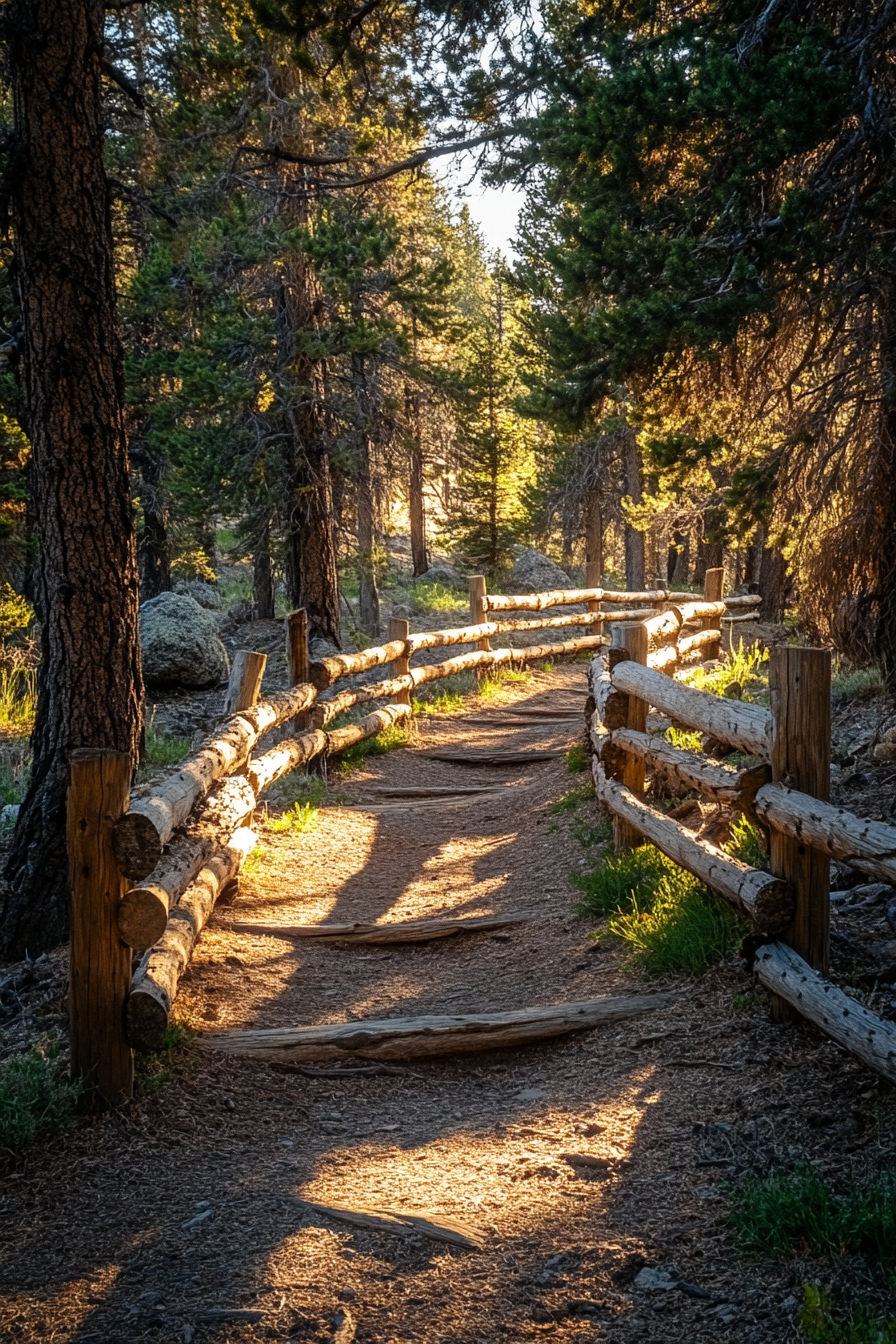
(855, 683)
(18, 698)
(825, 1322)
(748, 667)
(684, 739)
(35, 1098)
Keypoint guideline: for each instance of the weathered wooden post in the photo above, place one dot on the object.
(100, 963)
(400, 629)
(628, 642)
(713, 584)
(478, 607)
(297, 658)
(800, 685)
(245, 680)
(594, 579)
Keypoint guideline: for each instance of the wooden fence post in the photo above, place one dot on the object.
(478, 609)
(713, 583)
(800, 685)
(245, 680)
(100, 963)
(400, 629)
(297, 659)
(628, 642)
(594, 579)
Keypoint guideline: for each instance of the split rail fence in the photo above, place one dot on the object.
(148, 864)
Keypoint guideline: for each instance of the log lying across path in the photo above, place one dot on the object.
(414, 931)
(433, 1225)
(780, 970)
(412, 1037)
(867, 845)
(747, 727)
(766, 899)
(736, 788)
(486, 757)
(155, 813)
(155, 982)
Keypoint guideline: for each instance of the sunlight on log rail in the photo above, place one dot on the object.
(737, 788)
(858, 841)
(766, 899)
(155, 813)
(413, 1037)
(747, 727)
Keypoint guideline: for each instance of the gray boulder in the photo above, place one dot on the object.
(206, 594)
(442, 572)
(180, 643)
(535, 573)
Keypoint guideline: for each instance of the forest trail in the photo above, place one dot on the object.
(155, 1222)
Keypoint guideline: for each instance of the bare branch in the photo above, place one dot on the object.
(126, 85)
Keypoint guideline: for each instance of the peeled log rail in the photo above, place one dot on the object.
(720, 782)
(413, 1037)
(694, 611)
(414, 931)
(691, 643)
(154, 986)
(560, 649)
(767, 900)
(847, 1022)
(751, 600)
(225, 809)
(139, 837)
(328, 670)
(341, 738)
(663, 624)
(143, 912)
(867, 845)
(295, 751)
(570, 596)
(748, 727)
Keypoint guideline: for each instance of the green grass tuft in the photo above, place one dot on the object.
(746, 843)
(855, 683)
(684, 739)
(426, 597)
(491, 687)
(792, 1210)
(299, 787)
(390, 739)
(570, 801)
(36, 1099)
(748, 667)
(18, 698)
(164, 748)
(619, 880)
(851, 1322)
(592, 833)
(685, 928)
(298, 819)
(578, 759)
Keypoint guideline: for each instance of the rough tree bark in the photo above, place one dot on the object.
(594, 531)
(416, 502)
(369, 600)
(90, 686)
(635, 558)
(772, 584)
(152, 543)
(262, 576)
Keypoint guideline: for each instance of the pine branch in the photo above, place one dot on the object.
(391, 170)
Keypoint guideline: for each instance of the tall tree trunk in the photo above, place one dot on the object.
(679, 559)
(311, 533)
(594, 532)
(416, 502)
(635, 548)
(772, 584)
(90, 683)
(369, 601)
(886, 583)
(152, 544)
(262, 577)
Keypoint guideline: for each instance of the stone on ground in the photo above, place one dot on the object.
(533, 572)
(180, 643)
(442, 572)
(206, 594)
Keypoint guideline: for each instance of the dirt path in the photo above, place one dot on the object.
(140, 1224)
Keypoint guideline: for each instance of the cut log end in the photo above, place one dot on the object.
(147, 1018)
(774, 907)
(143, 915)
(136, 845)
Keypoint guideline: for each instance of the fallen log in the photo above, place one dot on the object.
(867, 845)
(736, 788)
(435, 1226)
(748, 727)
(412, 1037)
(286, 756)
(155, 982)
(861, 1032)
(767, 900)
(328, 670)
(494, 757)
(414, 931)
(143, 912)
(375, 723)
(139, 837)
